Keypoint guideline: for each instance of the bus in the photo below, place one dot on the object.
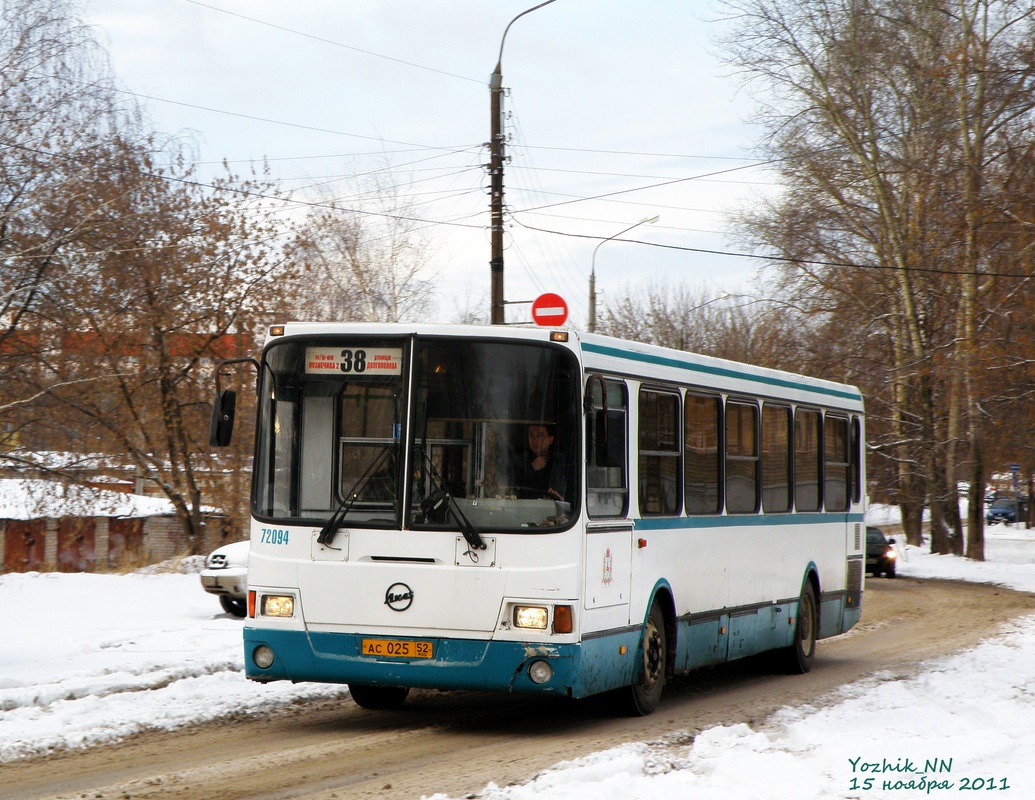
(695, 511)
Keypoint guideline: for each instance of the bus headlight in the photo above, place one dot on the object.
(275, 605)
(531, 617)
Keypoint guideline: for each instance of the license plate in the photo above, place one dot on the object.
(393, 648)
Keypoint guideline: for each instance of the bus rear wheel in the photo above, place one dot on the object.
(378, 697)
(643, 696)
(797, 659)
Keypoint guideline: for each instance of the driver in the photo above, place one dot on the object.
(540, 474)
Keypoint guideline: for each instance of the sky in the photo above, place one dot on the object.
(151, 649)
(616, 112)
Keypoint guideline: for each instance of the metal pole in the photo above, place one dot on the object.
(592, 326)
(496, 157)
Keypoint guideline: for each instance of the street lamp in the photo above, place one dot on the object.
(681, 344)
(592, 326)
(496, 315)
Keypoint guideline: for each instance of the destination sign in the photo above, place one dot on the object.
(353, 360)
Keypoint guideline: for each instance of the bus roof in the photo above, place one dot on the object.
(608, 354)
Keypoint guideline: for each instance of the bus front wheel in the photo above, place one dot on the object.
(378, 697)
(643, 696)
(797, 659)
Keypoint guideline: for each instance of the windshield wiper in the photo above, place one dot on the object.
(441, 503)
(332, 525)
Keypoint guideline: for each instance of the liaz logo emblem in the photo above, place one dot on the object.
(399, 597)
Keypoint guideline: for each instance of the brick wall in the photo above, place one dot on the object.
(90, 545)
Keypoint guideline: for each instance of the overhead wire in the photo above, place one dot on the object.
(616, 192)
(457, 223)
(514, 214)
(237, 190)
(563, 263)
(794, 259)
(334, 43)
(299, 126)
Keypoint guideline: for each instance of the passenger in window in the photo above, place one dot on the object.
(541, 473)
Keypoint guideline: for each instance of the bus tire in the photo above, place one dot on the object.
(378, 697)
(797, 659)
(643, 696)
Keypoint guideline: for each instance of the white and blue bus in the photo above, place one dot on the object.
(694, 511)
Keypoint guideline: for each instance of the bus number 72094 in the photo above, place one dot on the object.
(540, 511)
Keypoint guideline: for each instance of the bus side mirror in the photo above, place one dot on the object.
(610, 438)
(221, 429)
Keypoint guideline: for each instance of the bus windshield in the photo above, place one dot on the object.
(421, 433)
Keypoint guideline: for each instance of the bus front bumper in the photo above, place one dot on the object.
(455, 663)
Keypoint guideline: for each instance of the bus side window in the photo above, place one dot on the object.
(659, 452)
(776, 458)
(606, 435)
(857, 460)
(835, 463)
(806, 460)
(702, 436)
(741, 458)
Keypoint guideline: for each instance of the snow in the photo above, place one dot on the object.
(28, 498)
(89, 659)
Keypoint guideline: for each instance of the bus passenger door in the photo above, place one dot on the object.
(608, 575)
(609, 537)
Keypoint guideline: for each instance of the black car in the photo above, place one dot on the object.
(1004, 509)
(880, 553)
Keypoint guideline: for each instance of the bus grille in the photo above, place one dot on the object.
(854, 583)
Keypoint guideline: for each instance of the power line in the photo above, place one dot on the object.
(566, 270)
(657, 206)
(788, 259)
(616, 192)
(598, 173)
(632, 153)
(250, 193)
(617, 222)
(454, 149)
(334, 43)
(270, 121)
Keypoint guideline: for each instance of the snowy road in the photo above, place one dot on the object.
(457, 744)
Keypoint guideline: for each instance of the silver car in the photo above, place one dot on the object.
(226, 575)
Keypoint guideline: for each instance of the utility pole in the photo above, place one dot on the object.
(496, 158)
(496, 316)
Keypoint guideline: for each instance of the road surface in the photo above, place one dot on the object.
(457, 742)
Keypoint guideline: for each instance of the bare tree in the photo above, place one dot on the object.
(135, 318)
(899, 125)
(365, 257)
(736, 327)
(124, 278)
(57, 111)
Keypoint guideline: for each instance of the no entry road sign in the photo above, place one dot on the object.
(549, 310)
